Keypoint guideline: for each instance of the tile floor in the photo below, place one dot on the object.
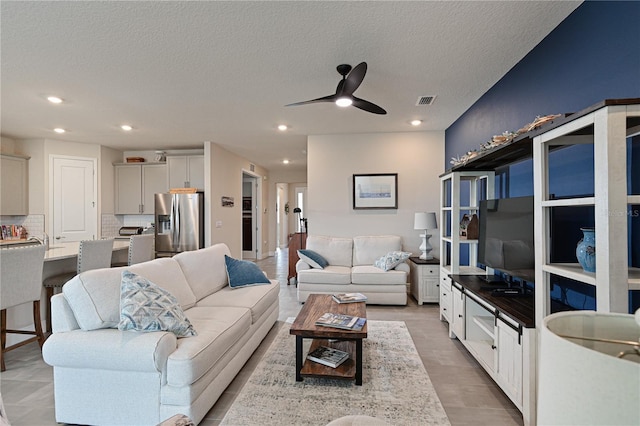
(468, 394)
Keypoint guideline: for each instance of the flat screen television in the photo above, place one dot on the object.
(505, 240)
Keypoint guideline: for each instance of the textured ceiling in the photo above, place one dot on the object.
(186, 72)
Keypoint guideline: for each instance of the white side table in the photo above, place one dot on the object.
(424, 280)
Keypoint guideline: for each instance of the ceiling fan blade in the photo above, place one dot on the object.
(354, 79)
(367, 106)
(330, 98)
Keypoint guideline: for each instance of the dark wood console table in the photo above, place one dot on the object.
(297, 241)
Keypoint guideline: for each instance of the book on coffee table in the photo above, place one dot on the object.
(345, 322)
(349, 297)
(328, 356)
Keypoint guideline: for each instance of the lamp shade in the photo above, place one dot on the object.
(425, 220)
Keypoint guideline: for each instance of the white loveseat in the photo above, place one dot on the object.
(103, 376)
(351, 269)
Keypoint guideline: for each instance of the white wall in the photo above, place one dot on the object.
(333, 159)
(223, 177)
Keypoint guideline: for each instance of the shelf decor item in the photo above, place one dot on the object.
(586, 250)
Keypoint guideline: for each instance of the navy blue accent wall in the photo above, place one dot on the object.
(592, 55)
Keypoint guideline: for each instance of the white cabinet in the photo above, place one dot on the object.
(136, 185)
(457, 328)
(14, 185)
(445, 297)
(423, 280)
(508, 360)
(186, 171)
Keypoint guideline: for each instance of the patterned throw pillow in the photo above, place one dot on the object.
(314, 259)
(243, 273)
(391, 260)
(146, 307)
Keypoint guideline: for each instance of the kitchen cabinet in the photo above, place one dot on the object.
(136, 185)
(14, 185)
(185, 171)
(457, 328)
(445, 298)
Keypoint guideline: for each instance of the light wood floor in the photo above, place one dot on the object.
(468, 394)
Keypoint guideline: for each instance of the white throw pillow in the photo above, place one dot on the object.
(146, 307)
(391, 260)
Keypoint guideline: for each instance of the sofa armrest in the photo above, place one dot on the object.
(404, 266)
(62, 318)
(301, 265)
(110, 349)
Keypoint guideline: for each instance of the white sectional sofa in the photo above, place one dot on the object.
(351, 269)
(103, 376)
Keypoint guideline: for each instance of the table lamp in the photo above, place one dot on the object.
(425, 221)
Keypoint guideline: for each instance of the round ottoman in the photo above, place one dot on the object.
(358, 421)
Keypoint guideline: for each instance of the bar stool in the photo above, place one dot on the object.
(92, 254)
(21, 270)
(141, 249)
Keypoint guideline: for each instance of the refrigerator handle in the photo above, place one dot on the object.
(175, 221)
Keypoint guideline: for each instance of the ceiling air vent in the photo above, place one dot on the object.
(425, 100)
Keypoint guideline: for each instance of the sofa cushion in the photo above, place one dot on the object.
(337, 251)
(258, 299)
(243, 273)
(204, 269)
(146, 307)
(391, 260)
(369, 274)
(329, 275)
(368, 249)
(315, 260)
(219, 328)
(94, 296)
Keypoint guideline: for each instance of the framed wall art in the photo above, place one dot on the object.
(375, 191)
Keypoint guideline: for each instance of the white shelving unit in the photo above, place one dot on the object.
(606, 127)
(451, 211)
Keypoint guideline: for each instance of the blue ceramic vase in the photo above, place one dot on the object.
(586, 250)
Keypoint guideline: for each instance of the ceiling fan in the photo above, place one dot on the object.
(344, 92)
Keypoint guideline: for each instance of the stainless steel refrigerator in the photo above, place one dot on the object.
(179, 223)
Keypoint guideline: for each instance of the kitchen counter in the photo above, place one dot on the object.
(59, 251)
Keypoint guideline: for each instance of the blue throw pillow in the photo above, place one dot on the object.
(313, 259)
(242, 273)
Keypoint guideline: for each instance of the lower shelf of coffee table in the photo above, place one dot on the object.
(346, 370)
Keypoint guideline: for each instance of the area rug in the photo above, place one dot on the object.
(395, 386)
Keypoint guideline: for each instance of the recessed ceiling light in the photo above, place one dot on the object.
(59, 130)
(416, 122)
(54, 100)
(282, 127)
(126, 127)
(344, 102)
(285, 161)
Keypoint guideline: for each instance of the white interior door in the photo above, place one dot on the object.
(73, 208)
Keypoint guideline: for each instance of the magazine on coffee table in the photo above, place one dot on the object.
(349, 297)
(328, 356)
(345, 322)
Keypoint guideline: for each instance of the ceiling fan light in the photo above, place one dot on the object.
(344, 102)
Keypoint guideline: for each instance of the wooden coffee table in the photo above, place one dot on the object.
(350, 341)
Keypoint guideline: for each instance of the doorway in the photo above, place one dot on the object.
(251, 223)
(283, 209)
(73, 209)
